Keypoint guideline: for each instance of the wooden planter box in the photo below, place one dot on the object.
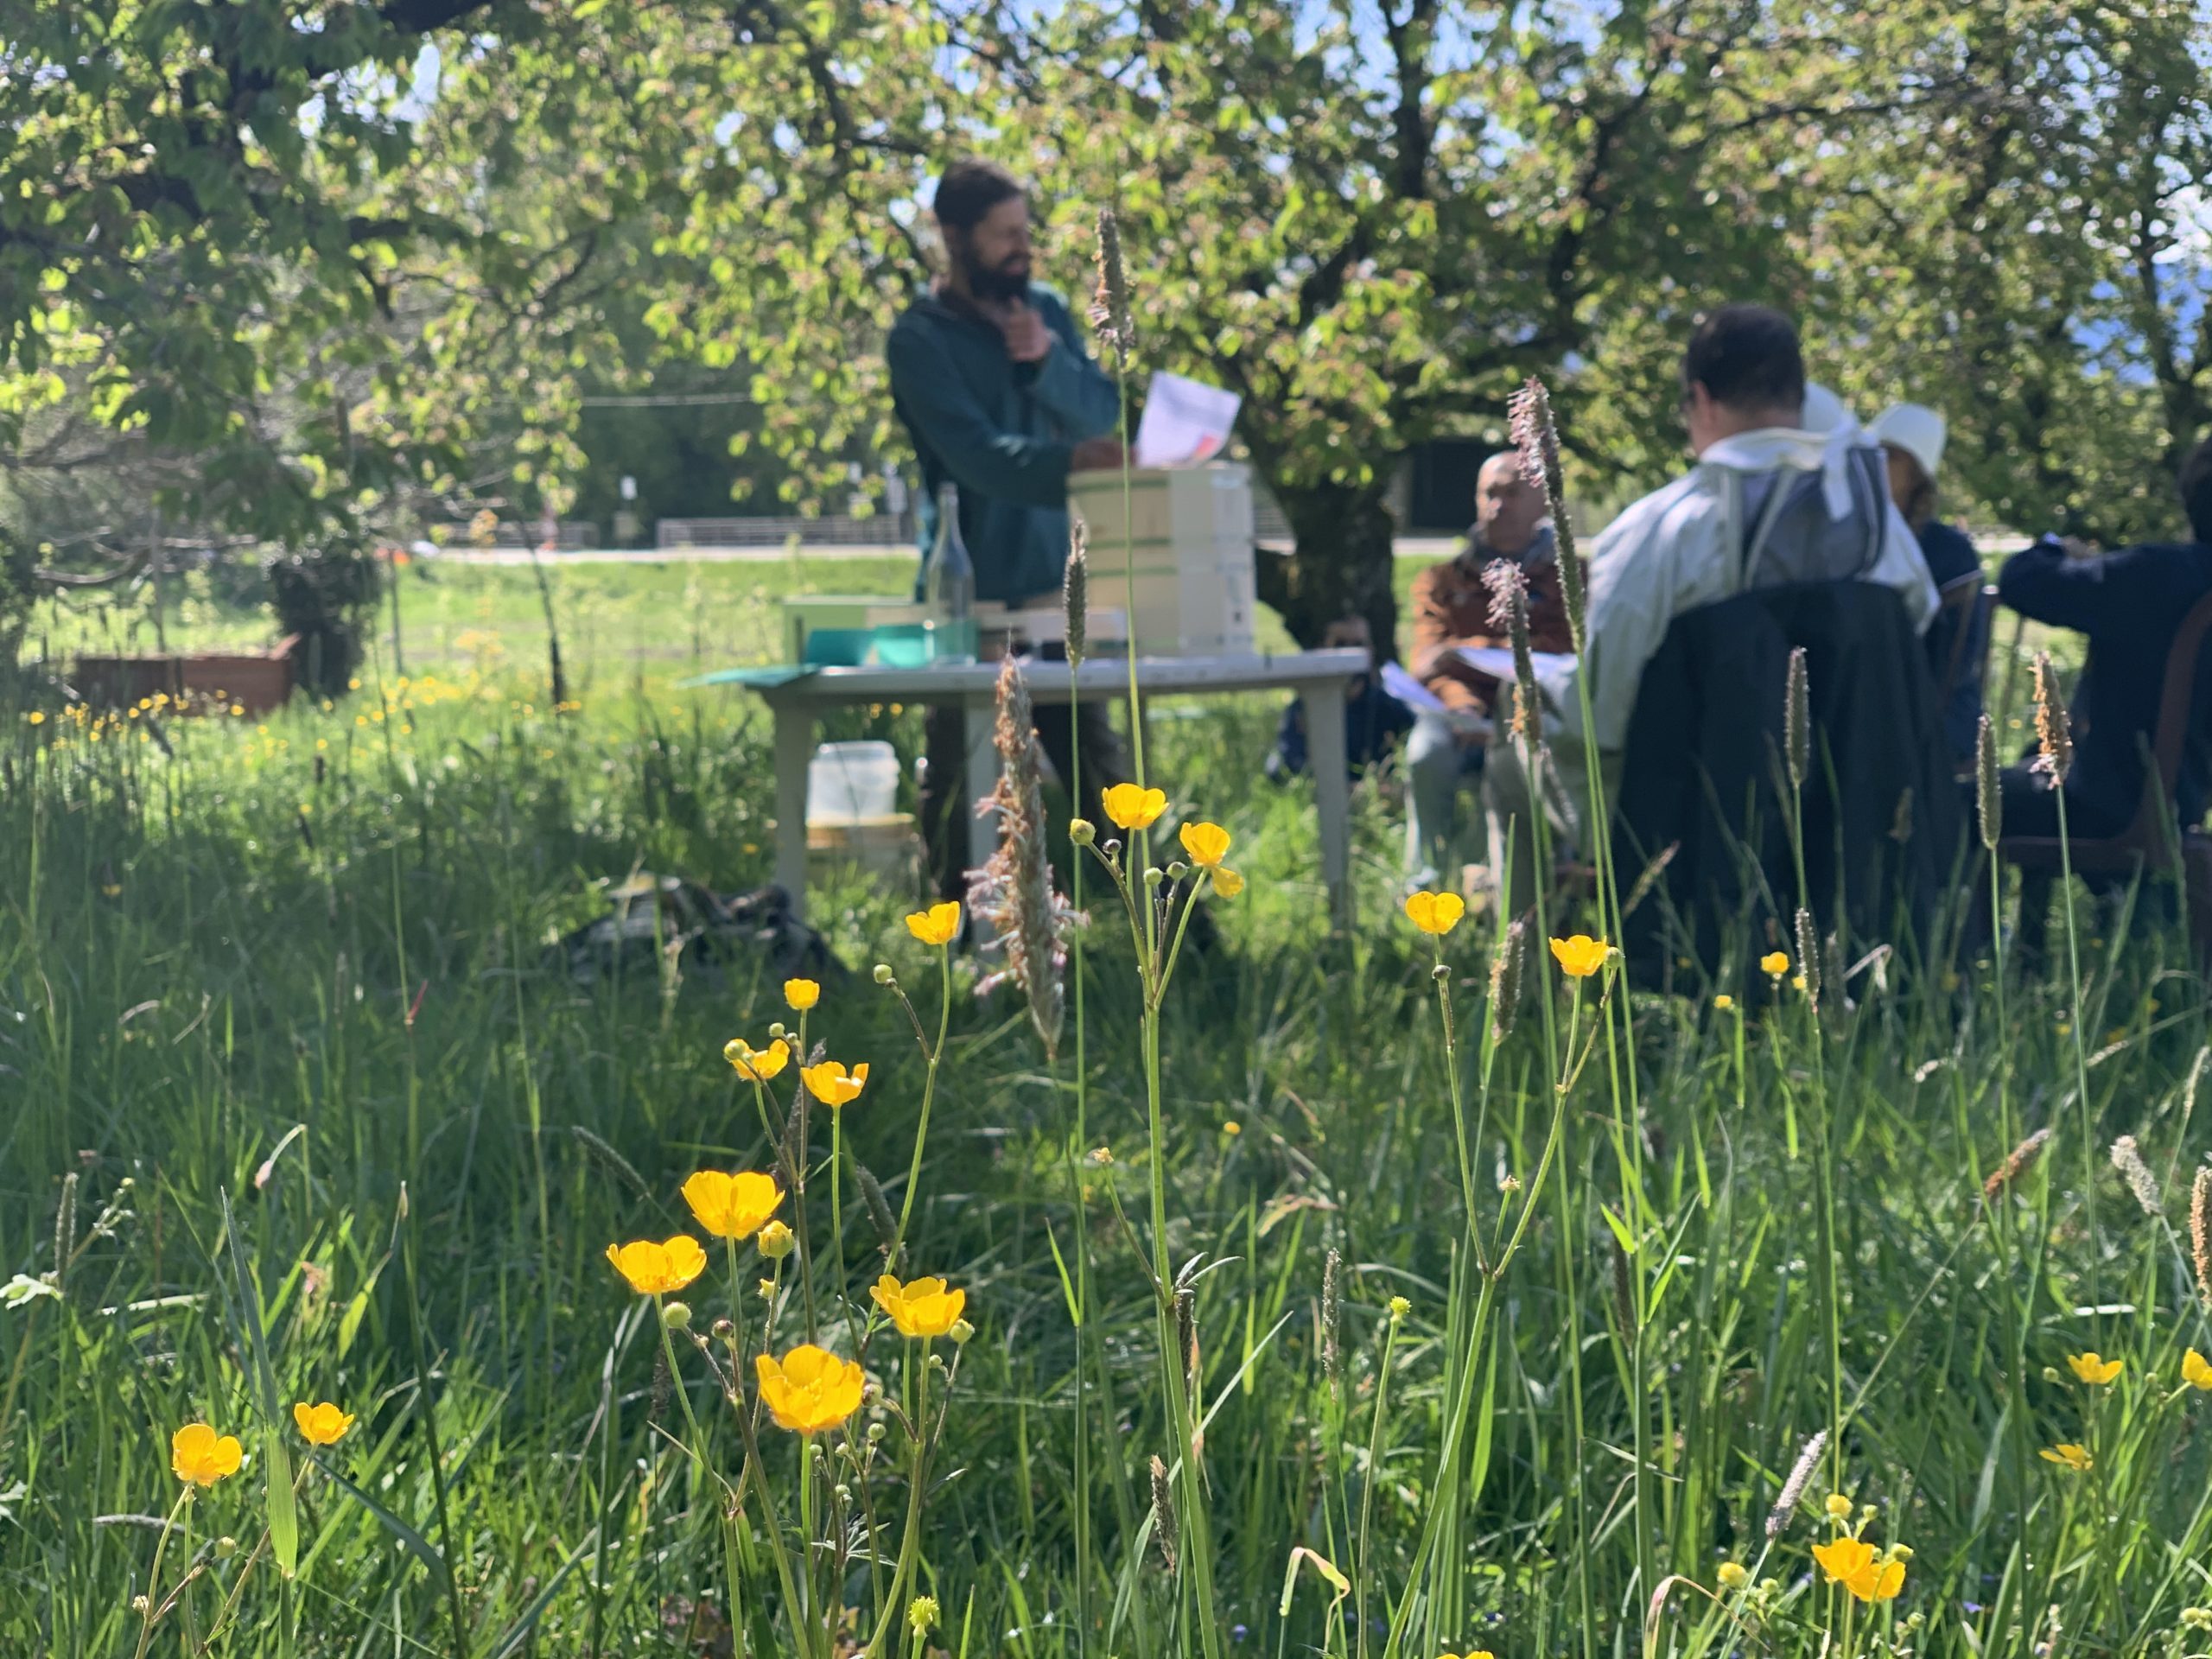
(255, 681)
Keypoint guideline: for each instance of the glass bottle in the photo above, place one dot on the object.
(948, 586)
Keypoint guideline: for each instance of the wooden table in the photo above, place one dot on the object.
(1319, 676)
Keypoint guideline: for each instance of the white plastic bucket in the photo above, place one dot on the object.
(848, 782)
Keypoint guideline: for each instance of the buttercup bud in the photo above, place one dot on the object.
(960, 1331)
(1153, 875)
(1083, 832)
(721, 1329)
(226, 1547)
(776, 1241)
(883, 973)
(778, 1031)
(677, 1316)
(768, 1290)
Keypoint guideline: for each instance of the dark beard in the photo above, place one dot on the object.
(993, 285)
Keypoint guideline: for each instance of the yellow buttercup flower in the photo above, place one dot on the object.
(1131, 808)
(200, 1457)
(1851, 1563)
(1478, 1653)
(732, 1206)
(655, 1269)
(1435, 913)
(2196, 1370)
(757, 1064)
(322, 1425)
(801, 994)
(810, 1388)
(1226, 881)
(1734, 1575)
(920, 1307)
(1839, 1506)
(2070, 1456)
(937, 924)
(1579, 956)
(1775, 963)
(1724, 1002)
(1206, 843)
(831, 1084)
(2095, 1369)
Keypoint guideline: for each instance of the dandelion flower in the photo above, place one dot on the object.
(1435, 913)
(920, 1307)
(1206, 843)
(2197, 1370)
(2068, 1455)
(1775, 964)
(655, 1269)
(1852, 1563)
(1133, 808)
(2095, 1369)
(732, 1206)
(831, 1084)
(937, 925)
(322, 1425)
(1579, 956)
(200, 1457)
(801, 994)
(810, 1388)
(756, 1064)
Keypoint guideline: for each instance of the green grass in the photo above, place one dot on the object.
(193, 968)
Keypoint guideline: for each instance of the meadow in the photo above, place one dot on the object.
(1314, 1302)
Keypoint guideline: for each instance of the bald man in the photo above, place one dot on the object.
(1451, 608)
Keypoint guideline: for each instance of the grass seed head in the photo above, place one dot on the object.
(1332, 1268)
(1075, 592)
(1793, 1490)
(1797, 718)
(2019, 1163)
(1163, 1514)
(1989, 802)
(1536, 433)
(1509, 609)
(1110, 302)
(2127, 1158)
(1505, 973)
(1809, 956)
(2054, 727)
(2200, 1231)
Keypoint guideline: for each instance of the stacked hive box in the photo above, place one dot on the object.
(1185, 536)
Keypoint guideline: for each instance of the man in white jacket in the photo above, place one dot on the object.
(1768, 503)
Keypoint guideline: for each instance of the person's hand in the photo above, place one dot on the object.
(1027, 339)
(1096, 455)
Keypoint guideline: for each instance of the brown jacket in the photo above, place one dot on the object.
(1451, 607)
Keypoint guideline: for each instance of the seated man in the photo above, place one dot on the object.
(2129, 604)
(1452, 607)
(1912, 436)
(1767, 504)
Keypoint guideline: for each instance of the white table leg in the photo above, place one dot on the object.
(1325, 753)
(794, 749)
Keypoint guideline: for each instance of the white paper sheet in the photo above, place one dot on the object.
(1497, 661)
(1185, 422)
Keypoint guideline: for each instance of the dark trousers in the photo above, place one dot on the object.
(946, 806)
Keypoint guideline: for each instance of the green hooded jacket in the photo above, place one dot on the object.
(1000, 430)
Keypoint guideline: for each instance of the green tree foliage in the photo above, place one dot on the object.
(356, 261)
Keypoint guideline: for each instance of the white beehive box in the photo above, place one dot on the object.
(1185, 536)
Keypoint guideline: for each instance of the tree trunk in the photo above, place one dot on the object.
(1340, 566)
